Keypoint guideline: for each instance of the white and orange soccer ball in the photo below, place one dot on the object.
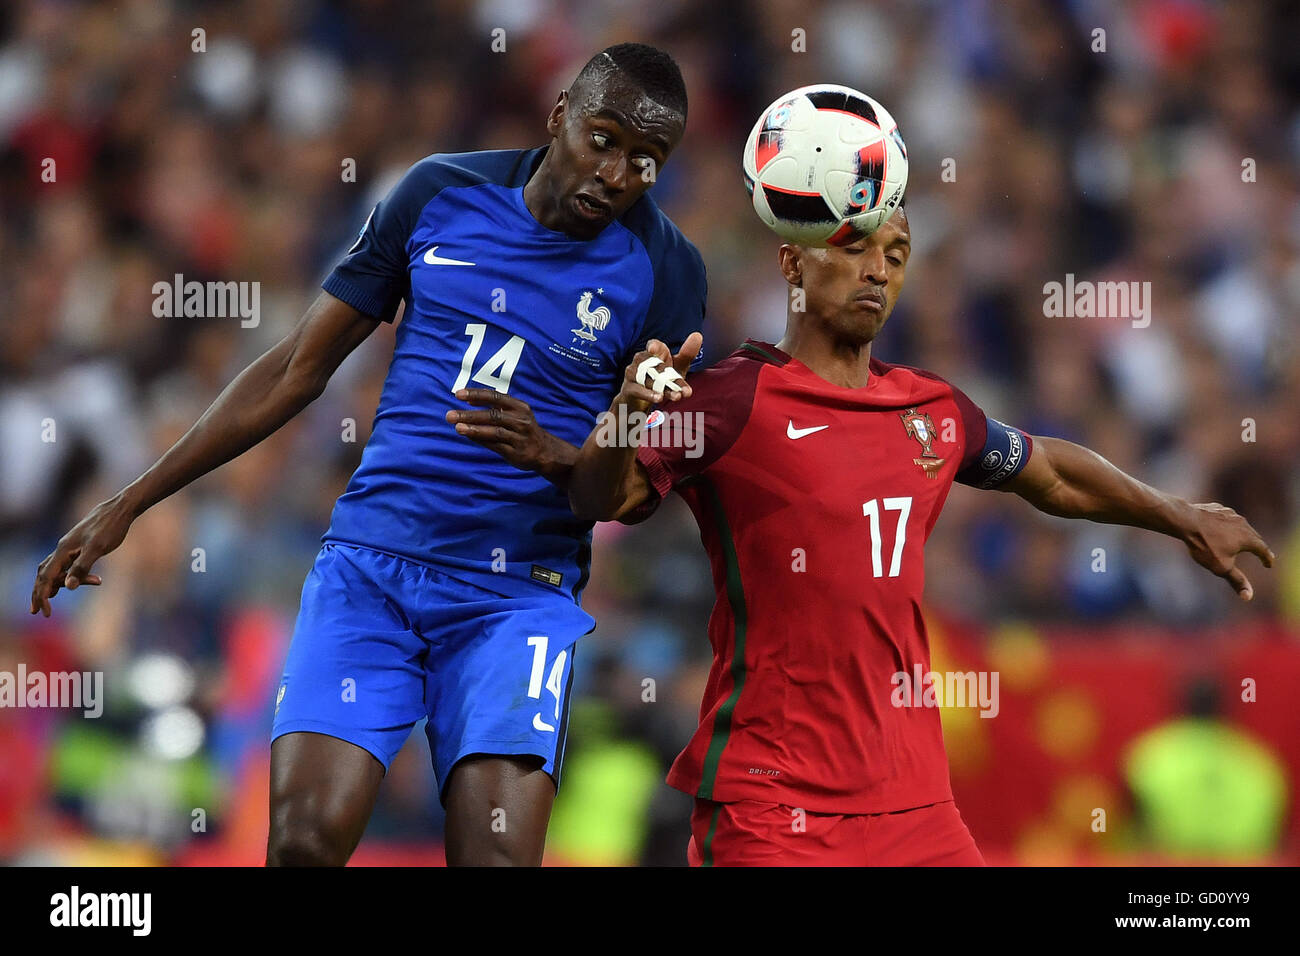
(825, 165)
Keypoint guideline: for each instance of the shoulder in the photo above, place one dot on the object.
(722, 398)
(906, 373)
(663, 241)
(916, 384)
(441, 170)
(731, 378)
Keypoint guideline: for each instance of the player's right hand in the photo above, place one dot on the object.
(638, 397)
(68, 566)
(1215, 535)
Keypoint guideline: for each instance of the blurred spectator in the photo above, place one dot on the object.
(1207, 790)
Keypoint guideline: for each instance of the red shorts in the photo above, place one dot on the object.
(749, 833)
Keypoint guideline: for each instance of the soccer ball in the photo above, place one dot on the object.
(825, 166)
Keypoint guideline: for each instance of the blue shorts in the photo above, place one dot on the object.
(382, 642)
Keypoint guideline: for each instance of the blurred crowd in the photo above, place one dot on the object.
(141, 139)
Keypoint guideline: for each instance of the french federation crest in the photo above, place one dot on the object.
(920, 426)
(593, 320)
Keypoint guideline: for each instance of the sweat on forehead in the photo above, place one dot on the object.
(611, 87)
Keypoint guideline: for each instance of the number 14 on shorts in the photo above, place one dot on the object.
(538, 644)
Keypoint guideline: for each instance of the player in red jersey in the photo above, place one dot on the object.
(818, 480)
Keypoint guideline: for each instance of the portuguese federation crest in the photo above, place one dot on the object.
(920, 426)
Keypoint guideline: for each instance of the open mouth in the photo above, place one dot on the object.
(592, 208)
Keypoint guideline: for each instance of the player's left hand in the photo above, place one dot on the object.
(638, 393)
(507, 426)
(1216, 535)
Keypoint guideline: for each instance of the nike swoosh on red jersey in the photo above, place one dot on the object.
(792, 432)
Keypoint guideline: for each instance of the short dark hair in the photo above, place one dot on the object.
(653, 70)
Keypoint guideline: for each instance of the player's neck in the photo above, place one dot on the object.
(539, 197)
(843, 363)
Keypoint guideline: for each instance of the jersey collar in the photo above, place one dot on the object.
(774, 356)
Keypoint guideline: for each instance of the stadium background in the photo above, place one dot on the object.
(1120, 690)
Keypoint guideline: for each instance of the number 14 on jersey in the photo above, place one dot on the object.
(496, 372)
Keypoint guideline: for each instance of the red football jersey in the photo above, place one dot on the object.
(814, 502)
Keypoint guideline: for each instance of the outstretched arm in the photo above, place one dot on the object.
(1070, 481)
(272, 390)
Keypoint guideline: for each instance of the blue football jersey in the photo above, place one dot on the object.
(496, 300)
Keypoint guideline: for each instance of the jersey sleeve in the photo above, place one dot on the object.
(697, 431)
(674, 455)
(994, 451)
(373, 276)
(677, 304)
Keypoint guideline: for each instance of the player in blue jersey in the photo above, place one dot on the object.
(449, 583)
